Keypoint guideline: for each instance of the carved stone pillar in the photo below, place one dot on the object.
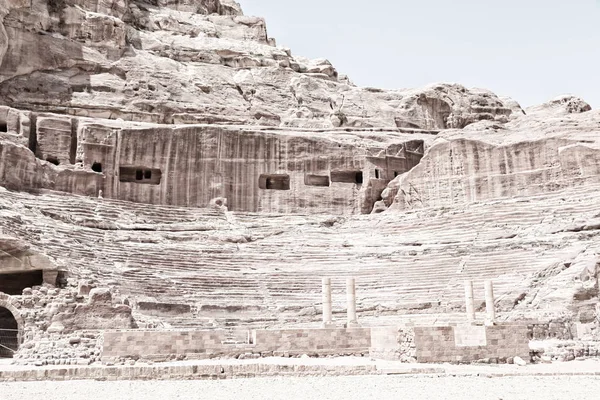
(489, 302)
(327, 302)
(351, 301)
(469, 301)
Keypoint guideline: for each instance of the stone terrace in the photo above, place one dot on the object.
(251, 270)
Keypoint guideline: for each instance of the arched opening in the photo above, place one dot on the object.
(9, 333)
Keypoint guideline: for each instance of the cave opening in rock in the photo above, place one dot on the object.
(97, 167)
(150, 176)
(9, 334)
(52, 160)
(316, 180)
(377, 174)
(14, 283)
(274, 182)
(347, 177)
(3, 127)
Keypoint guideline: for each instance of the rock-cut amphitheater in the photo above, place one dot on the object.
(174, 185)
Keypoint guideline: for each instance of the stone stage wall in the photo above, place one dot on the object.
(468, 343)
(423, 344)
(221, 343)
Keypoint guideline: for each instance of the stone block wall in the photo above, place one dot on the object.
(320, 341)
(140, 344)
(422, 344)
(217, 343)
(455, 344)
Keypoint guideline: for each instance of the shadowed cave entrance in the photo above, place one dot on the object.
(14, 283)
(9, 334)
(274, 182)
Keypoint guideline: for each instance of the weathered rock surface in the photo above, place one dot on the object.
(197, 62)
(532, 154)
(543, 265)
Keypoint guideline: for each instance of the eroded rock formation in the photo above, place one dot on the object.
(197, 62)
(530, 155)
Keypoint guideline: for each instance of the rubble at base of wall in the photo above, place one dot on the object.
(394, 343)
(392, 355)
(64, 326)
(563, 330)
(564, 350)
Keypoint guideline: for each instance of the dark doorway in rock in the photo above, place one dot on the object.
(14, 283)
(149, 176)
(3, 127)
(347, 177)
(97, 167)
(9, 334)
(274, 182)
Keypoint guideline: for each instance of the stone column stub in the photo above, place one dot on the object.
(351, 302)
(489, 303)
(327, 312)
(470, 307)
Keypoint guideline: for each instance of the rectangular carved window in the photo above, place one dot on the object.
(347, 177)
(148, 176)
(274, 182)
(316, 180)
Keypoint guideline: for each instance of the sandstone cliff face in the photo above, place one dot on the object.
(83, 78)
(537, 153)
(269, 170)
(197, 62)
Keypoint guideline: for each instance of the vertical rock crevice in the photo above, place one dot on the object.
(33, 134)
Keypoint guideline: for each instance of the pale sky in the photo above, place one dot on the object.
(530, 50)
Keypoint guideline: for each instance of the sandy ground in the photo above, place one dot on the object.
(347, 388)
(587, 366)
(453, 382)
